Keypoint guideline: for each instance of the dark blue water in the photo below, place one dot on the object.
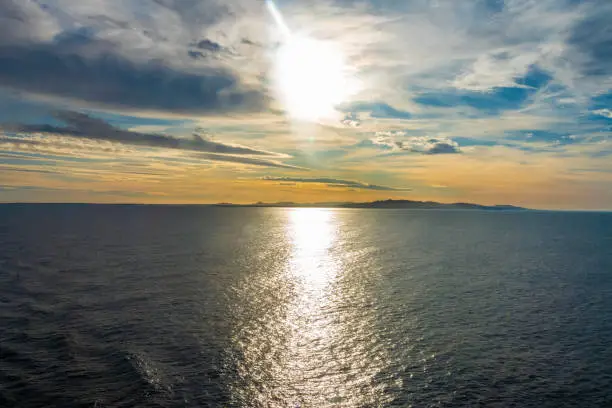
(147, 306)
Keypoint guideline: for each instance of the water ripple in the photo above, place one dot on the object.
(220, 307)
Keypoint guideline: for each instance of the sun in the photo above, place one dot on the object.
(312, 78)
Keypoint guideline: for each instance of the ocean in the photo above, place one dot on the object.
(194, 306)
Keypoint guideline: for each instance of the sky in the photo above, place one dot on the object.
(206, 101)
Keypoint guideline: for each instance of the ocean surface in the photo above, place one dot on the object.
(179, 306)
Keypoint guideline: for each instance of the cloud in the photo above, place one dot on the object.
(24, 21)
(205, 48)
(68, 148)
(496, 70)
(56, 146)
(208, 45)
(196, 54)
(486, 97)
(379, 110)
(591, 39)
(417, 144)
(113, 81)
(606, 113)
(539, 139)
(81, 125)
(351, 120)
(248, 160)
(331, 182)
(64, 140)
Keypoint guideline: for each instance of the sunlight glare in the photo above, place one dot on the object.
(312, 78)
(312, 232)
(311, 75)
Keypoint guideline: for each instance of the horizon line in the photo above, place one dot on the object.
(298, 205)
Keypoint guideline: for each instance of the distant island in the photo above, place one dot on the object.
(388, 204)
(381, 204)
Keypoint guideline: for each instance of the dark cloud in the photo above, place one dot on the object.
(443, 148)
(15, 21)
(196, 54)
(112, 80)
(331, 182)
(12, 13)
(416, 144)
(205, 48)
(592, 37)
(208, 45)
(73, 39)
(109, 21)
(80, 125)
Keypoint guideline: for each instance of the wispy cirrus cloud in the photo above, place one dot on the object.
(65, 139)
(377, 110)
(332, 182)
(53, 147)
(80, 125)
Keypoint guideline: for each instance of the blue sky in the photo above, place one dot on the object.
(201, 101)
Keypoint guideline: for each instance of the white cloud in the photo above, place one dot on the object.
(500, 69)
(606, 113)
(397, 140)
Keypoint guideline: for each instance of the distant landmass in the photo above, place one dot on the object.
(383, 204)
(428, 205)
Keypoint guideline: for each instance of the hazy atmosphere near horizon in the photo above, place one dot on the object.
(205, 101)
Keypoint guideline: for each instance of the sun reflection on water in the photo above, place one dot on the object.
(313, 268)
(312, 232)
(305, 337)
